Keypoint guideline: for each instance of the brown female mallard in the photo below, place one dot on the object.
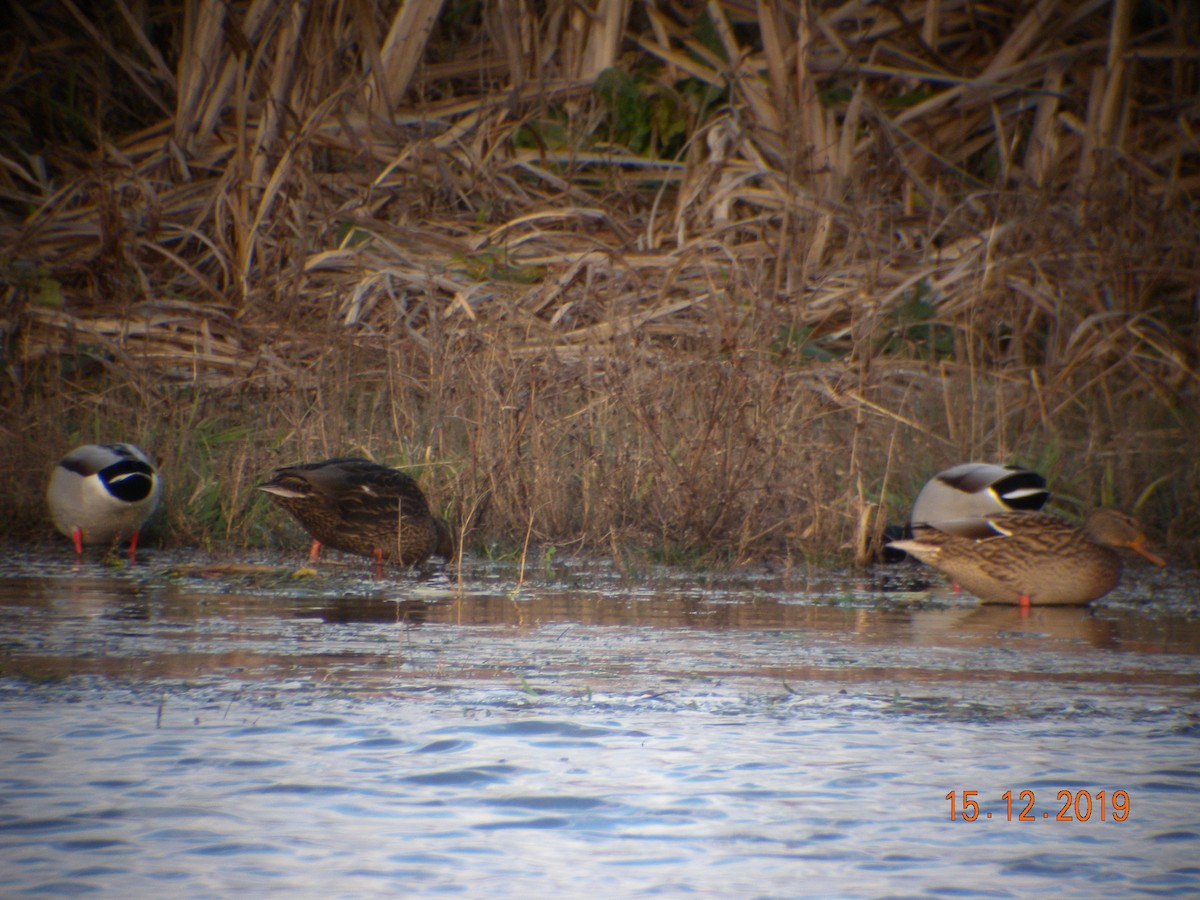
(971, 490)
(361, 507)
(1033, 558)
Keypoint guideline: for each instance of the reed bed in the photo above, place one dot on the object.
(716, 282)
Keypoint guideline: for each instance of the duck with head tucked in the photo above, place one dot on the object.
(361, 507)
(971, 490)
(1032, 558)
(103, 494)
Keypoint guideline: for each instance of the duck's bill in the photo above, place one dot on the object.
(1139, 546)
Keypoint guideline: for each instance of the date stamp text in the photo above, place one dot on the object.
(1021, 806)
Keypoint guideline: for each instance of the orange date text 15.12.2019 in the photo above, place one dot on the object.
(1069, 806)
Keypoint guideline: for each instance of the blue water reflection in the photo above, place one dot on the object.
(742, 742)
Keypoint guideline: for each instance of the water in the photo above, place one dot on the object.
(172, 730)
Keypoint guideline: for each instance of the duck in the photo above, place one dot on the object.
(1033, 558)
(970, 490)
(361, 507)
(103, 494)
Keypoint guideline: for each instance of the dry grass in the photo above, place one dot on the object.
(725, 281)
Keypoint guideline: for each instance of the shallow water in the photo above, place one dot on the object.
(175, 729)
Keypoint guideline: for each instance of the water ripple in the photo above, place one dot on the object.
(162, 737)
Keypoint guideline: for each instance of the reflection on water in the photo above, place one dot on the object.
(171, 729)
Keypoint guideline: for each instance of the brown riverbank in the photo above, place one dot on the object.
(658, 293)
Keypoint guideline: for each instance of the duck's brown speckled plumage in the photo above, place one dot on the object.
(1033, 557)
(361, 507)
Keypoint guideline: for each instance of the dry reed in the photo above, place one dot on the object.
(725, 281)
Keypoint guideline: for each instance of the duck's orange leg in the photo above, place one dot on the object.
(378, 564)
(133, 539)
(77, 534)
(314, 552)
(1025, 604)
